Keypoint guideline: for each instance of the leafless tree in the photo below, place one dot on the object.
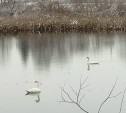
(8, 6)
(67, 97)
(78, 99)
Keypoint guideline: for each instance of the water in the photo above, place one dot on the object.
(54, 59)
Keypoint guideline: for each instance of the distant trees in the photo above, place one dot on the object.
(9, 6)
(99, 7)
(56, 7)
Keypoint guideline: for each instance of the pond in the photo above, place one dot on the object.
(56, 59)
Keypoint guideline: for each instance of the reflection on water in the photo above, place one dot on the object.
(24, 49)
(61, 47)
(54, 58)
(88, 67)
(46, 48)
(5, 48)
(36, 95)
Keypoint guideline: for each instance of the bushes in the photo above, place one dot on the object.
(67, 24)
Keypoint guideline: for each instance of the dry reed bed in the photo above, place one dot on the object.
(14, 25)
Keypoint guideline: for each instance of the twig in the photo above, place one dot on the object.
(115, 95)
(77, 94)
(109, 96)
(73, 90)
(122, 100)
(81, 98)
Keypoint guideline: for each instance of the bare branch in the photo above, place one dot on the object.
(67, 101)
(67, 98)
(73, 90)
(67, 95)
(85, 86)
(115, 95)
(77, 94)
(81, 87)
(109, 96)
(84, 81)
(81, 98)
(122, 100)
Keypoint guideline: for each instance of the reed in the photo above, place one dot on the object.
(64, 24)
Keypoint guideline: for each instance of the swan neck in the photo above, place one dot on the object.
(88, 60)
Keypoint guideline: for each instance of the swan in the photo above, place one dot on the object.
(34, 90)
(91, 62)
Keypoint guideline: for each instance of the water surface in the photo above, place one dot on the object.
(54, 59)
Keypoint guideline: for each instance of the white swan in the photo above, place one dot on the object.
(34, 90)
(91, 62)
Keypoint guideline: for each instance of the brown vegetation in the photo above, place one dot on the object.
(55, 17)
(57, 24)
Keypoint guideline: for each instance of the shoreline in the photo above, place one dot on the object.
(58, 24)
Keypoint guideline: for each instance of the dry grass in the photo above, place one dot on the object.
(58, 24)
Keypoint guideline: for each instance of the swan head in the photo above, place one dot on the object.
(87, 57)
(36, 82)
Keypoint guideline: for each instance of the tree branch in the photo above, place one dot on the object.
(109, 96)
(122, 100)
(77, 94)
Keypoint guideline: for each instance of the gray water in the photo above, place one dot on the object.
(54, 59)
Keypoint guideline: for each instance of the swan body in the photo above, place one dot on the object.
(34, 90)
(91, 62)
